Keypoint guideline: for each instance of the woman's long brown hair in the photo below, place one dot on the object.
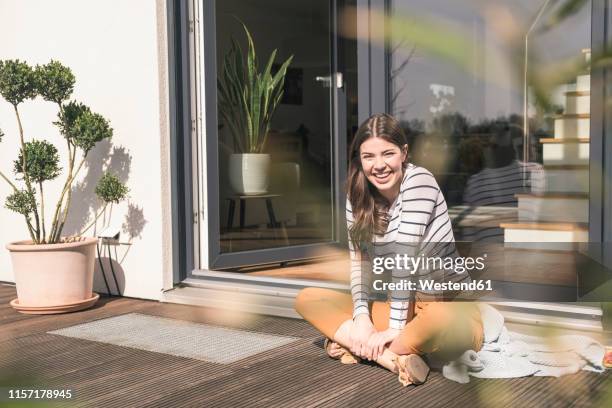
(368, 205)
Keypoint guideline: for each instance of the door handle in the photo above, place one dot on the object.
(327, 80)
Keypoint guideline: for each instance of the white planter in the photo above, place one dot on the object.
(249, 173)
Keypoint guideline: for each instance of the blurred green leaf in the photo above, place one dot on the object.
(566, 9)
(433, 38)
(456, 47)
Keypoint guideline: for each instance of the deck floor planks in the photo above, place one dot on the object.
(294, 375)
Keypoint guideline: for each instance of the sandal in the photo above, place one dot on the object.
(411, 369)
(345, 358)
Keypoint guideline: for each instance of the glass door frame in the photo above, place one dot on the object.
(180, 91)
(208, 169)
(186, 21)
(190, 196)
(600, 151)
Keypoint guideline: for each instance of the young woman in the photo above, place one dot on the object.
(391, 201)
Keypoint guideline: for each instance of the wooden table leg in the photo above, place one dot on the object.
(242, 210)
(230, 217)
(271, 216)
(275, 224)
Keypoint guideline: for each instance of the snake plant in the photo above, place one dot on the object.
(248, 98)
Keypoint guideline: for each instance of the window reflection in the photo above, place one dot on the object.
(511, 159)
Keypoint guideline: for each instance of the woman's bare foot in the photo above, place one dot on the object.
(411, 369)
(334, 350)
(337, 352)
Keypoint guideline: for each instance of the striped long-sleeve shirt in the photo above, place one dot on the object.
(419, 225)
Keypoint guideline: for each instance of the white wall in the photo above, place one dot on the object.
(117, 51)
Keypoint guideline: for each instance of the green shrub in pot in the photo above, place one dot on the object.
(37, 163)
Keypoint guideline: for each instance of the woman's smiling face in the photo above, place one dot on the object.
(381, 162)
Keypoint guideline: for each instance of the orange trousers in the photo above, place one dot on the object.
(445, 329)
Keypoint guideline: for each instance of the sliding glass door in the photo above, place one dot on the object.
(276, 196)
(503, 121)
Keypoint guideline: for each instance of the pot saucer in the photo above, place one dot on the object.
(66, 308)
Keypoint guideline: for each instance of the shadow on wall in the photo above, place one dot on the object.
(134, 222)
(104, 157)
(109, 275)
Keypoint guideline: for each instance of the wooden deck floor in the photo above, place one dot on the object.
(295, 375)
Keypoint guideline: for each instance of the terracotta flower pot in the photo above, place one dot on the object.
(53, 278)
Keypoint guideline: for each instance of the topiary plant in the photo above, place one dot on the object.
(38, 160)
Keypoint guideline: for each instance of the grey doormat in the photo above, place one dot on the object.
(176, 337)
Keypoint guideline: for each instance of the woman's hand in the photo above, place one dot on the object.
(377, 341)
(361, 330)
